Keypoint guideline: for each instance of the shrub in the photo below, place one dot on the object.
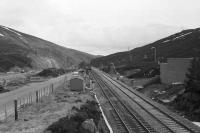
(89, 110)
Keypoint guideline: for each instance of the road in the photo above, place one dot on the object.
(9, 97)
(32, 87)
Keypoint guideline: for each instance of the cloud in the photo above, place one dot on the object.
(100, 26)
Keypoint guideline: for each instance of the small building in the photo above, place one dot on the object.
(75, 73)
(174, 71)
(77, 84)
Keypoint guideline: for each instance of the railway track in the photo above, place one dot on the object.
(128, 121)
(165, 120)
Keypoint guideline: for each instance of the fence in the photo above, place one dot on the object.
(12, 108)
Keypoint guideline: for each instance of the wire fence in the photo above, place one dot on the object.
(12, 108)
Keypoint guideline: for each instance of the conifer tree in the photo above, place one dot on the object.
(193, 77)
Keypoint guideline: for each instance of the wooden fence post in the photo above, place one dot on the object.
(28, 98)
(52, 88)
(23, 102)
(20, 103)
(6, 114)
(47, 91)
(37, 98)
(31, 97)
(16, 112)
(39, 94)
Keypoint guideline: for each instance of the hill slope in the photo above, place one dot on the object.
(180, 45)
(23, 50)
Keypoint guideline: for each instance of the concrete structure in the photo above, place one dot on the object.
(77, 83)
(174, 70)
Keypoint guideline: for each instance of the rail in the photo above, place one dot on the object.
(168, 119)
(134, 123)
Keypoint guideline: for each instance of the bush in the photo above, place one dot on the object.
(189, 101)
(154, 80)
(89, 110)
(51, 72)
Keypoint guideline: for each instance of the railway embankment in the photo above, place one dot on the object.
(160, 113)
(171, 96)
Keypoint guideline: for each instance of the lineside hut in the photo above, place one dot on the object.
(77, 84)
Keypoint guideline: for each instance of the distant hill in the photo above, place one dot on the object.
(18, 49)
(180, 45)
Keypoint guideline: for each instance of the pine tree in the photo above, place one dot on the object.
(189, 101)
(193, 77)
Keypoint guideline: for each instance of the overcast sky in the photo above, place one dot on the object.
(100, 26)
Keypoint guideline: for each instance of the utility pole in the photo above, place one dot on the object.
(65, 62)
(155, 54)
(101, 66)
(112, 68)
(130, 57)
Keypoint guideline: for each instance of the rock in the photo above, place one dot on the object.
(25, 119)
(89, 125)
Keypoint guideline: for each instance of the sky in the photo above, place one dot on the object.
(100, 27)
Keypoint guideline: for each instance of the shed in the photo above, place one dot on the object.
(174, 70)
(76, 84)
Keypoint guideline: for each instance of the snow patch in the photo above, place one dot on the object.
(1, 34)
(166, 41)
(178, 37)
(181, 36)
(197, 123)
(11, 30)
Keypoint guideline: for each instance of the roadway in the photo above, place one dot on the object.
(32, 87)
(9, 97)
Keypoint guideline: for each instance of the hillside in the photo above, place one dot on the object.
(180, 45)
(26, 51)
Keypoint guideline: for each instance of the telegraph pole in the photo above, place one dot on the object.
(130, 57)
(155, 54)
